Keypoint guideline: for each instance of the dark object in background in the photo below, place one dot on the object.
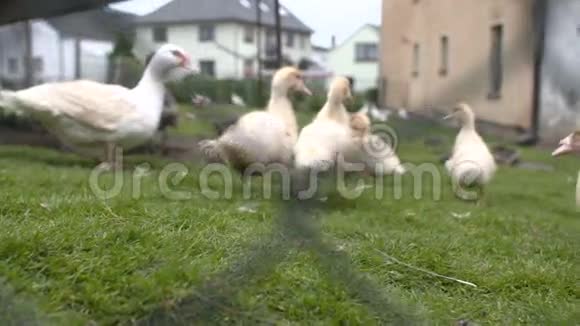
(223, 125)
(169, 118)
(352, 81)
(434, 142)
(18, 10)
(372, 96)
(505, 155)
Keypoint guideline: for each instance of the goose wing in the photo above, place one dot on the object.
(96, 105)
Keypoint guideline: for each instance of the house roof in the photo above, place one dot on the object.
(101, 24)
(17, 10)
(375, 28)
(195, 11)
(319, 48)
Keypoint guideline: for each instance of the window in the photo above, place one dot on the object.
(249, 34)
(207, 67)
(160, 34)
(270, 37)
(290, 40)
(303, 41)
(495, 62)
(444, 56)
(206, 33)
(13, 65)
(416, 59)
(37, 64)
(248, 67)
(264, 7)
(366, 52)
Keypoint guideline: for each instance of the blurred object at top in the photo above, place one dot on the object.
(18, 10)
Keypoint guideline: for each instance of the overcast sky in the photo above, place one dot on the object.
(325, 17)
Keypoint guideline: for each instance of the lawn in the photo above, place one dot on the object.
(68, 257)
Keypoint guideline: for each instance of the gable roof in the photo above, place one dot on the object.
(101, 24)
(244, 11)
(375, 28)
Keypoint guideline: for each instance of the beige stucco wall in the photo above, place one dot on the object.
(468, 25)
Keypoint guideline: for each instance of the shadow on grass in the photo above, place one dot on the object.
(214, 302)
(14, 311)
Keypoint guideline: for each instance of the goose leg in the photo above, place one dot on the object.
(481, 196)
(109, 162)
(117, 156)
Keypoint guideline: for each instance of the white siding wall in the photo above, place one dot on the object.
(57, 54)
(94, 59)
(229, 62)
(12, 48)
(68, 58)
(46, 46)
(342, 60)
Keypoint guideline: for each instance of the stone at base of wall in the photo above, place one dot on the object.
(507, 133)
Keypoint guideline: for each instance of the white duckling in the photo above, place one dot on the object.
(378, 156)
(570, 145)
(262, 136)
(471, 163)
(329, 134)
(94, 118)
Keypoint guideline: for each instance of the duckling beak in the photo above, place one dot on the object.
(449, 116)
(302, 88)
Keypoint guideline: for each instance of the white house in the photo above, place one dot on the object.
(222, 35)
(62, 48)
(358, 57)
(320, 56)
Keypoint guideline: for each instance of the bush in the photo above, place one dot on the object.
(127, 71)
(372, 95)
(220, 91)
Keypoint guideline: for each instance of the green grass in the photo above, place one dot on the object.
(76, 258)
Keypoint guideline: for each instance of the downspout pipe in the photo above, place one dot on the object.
(540, 23)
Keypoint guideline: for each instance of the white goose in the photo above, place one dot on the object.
(94, 118)
(262, 136)
(329, 134)
(569, 145)
(471, 163)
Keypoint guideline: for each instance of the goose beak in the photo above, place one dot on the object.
(562, 150)
(448, 117)
(565, 148)
(189, 66)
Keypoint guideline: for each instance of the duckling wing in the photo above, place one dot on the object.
(472, 156)
(320, 142)
(260, 137)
